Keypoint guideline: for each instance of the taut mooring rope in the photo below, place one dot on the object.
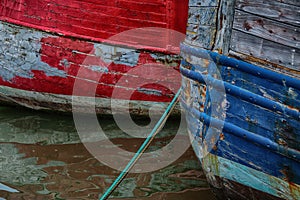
(143, 147)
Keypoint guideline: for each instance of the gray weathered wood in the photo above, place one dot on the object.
(268, 29)
(209, 24)
(197, 3)
(264, 49)
(262, 30)
(224, 26)
(204, 16)
(291, 2)
(275, 10)
(201, 26)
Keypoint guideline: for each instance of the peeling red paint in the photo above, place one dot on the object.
(77, 25)
(77, 53)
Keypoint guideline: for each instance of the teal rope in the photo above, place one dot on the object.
(142, 148)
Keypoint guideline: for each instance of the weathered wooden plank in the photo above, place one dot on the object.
(291, 2)
(268, 29)
(209, 24)
(202, 36)
(205, 16)
(266, 50)
(201, 25)
(196, 3)
(230, 170)
(224, 26)
(94, 20)
(271, 9)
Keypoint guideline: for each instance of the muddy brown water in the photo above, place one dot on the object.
(42, 157)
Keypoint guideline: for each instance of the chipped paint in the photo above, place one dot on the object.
(101, 69)
(265, 63)
(19, 54)
(168, 60)
(150, 91)
(224, 168)
(62, 35)
(48, 65)
(257, 153)
(201, 22)
(117, 55)
(252, 124)
(64, 62)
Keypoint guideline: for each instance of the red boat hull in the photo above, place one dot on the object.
(49, 45)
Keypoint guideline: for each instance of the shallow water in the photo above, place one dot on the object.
(42, 157)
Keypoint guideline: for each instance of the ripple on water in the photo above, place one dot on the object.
(42, 157)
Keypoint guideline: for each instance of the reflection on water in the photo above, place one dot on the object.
(42, 157)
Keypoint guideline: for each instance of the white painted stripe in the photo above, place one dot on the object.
(218, 166)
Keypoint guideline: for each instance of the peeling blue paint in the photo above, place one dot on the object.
(100, 69)
(261, 131)
(117, 55)
(64, 62)
(193, 3)
(150, 91)
(241, 93)
(20, 53)
(253, 178)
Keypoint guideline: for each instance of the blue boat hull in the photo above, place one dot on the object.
(244, 123)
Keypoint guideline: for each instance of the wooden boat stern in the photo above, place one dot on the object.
(241, 89)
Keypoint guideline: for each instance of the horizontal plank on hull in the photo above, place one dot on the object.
(266, 50)
(271, 9)
(268, 29)
(97, 21)
(68, 103)
(249, 177)
(229, 190)
(36, 61)
(291, 2)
